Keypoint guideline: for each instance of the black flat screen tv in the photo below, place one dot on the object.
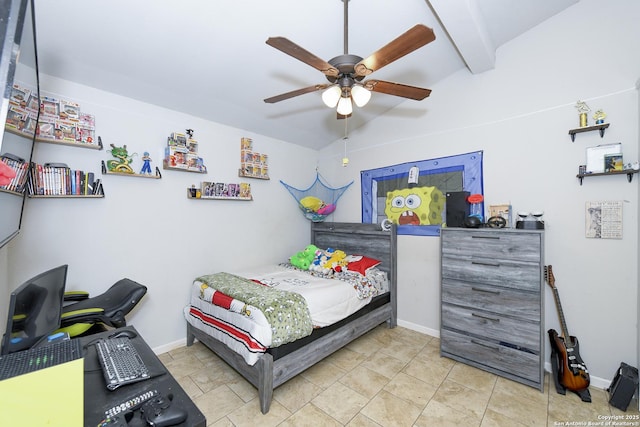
(35, 309)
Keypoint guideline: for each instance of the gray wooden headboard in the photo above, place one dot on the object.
(359, 239)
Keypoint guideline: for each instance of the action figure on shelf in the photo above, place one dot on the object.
(122, 162)
(599, 117)
(583, 109)
(146, 163)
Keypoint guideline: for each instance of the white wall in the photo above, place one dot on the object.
(146, 229)
(519, 114)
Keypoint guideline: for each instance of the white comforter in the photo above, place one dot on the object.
(329, 300)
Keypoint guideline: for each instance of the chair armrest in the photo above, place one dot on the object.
(75, 295)
(84, 315)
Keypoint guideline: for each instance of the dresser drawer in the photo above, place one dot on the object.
(496, 244)
(484, 352)
(511, 302)
(505, 273)
(492, 325)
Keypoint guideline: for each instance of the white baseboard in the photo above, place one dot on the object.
(419, 328)
(596, 382)
(182, 342)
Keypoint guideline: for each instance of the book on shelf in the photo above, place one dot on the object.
(57, 179)
(613, 162)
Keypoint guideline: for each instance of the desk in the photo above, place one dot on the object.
(97, 398)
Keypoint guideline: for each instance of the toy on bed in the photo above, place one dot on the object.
(303, 259)
(319, 200)
(335, 262)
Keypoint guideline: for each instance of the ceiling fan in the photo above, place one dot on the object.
(346, 72)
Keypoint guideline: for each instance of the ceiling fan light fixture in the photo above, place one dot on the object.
(344, 106)
(331, 96)
(360, 95)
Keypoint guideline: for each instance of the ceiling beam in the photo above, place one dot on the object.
(466, 28)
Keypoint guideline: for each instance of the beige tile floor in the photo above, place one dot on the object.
(389, 377)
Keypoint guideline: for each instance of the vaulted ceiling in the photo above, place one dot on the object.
(209, 58)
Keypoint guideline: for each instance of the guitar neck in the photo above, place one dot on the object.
(563, 322)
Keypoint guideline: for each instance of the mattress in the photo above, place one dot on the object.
(329, 300)
(244, 328)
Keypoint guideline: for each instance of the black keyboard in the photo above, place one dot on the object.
(23, 362)
(120, 361)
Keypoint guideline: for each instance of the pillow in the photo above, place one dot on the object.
(361, 264)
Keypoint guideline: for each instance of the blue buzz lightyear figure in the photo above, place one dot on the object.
(146, 166)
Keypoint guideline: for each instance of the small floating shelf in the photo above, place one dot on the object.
(629, 174)
(106, 171)
(600, 128)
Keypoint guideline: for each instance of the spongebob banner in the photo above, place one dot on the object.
(413, 194)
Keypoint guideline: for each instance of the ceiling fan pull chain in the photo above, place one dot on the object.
(345, 159)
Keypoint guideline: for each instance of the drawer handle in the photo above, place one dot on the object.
(493, 319)
(492, 347)
(490, 264)
(486, 237)
(488, 291)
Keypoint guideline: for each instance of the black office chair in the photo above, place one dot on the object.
(82, 314)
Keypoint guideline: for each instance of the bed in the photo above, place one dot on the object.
(279, 364)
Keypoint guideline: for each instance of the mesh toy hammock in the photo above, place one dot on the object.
(317, 201)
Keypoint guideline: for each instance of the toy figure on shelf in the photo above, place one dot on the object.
(599, 116)
(122, 162)
(146, 163)
(583, 109)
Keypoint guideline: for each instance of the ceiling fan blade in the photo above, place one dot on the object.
(413, 39)
(292, 49)
(397, 89)
(297, 92)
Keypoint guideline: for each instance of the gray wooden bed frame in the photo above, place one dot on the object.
(267, 373)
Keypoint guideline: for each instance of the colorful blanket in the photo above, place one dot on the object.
(286, 312)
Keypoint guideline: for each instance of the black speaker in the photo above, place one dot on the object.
(457, 208)
(623, 386)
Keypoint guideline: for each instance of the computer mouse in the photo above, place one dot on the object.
(123, 333)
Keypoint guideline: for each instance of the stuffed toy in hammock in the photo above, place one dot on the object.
(319, 200)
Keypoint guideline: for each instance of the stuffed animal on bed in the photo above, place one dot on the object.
(304, 258)
(334, 262)
(319, 263)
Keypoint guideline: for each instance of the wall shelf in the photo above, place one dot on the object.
(600, 128)
(243, 174)
(66, 196)
(106, 171)
(629, 174)
(167, 167)
(242, 199)
(15, 193)
(97, 146)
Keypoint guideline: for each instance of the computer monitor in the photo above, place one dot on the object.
(35, 309)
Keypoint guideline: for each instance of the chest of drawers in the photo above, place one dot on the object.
(492, 301)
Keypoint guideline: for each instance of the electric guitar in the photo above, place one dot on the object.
(572, 372)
